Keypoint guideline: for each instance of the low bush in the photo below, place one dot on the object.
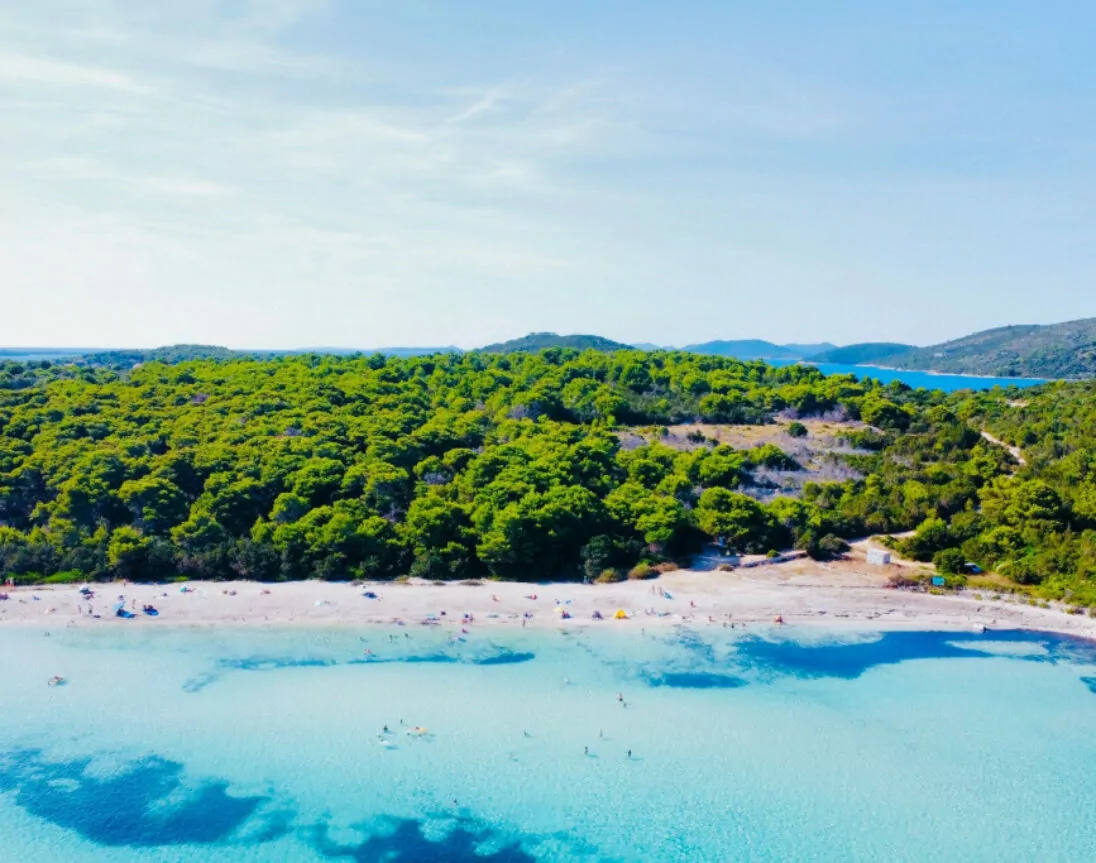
(609, 576)
(72, 576)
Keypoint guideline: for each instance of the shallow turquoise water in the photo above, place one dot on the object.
(239, 745)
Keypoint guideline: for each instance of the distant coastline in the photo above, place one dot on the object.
(938, 373)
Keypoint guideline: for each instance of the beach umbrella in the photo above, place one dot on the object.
(118, 606)
(620, 615)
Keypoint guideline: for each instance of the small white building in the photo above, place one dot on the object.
(878, 557)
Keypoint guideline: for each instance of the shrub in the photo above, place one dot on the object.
(725, 567)
(72, 576)
(642, 571)
(797, 429)
(830, 546)
(667, 566)
(609, 576)
(949, 561)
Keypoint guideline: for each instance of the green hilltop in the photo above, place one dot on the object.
(540, 341)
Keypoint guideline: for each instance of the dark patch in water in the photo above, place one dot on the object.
(271, 663)
(697, 647)
(506, 657)
(1090, 682)
(144, 805)
(755, 658)
(442, 658)
(694, 680)
(197, 684)
(493, 656)
(850, 660)
(406, 842)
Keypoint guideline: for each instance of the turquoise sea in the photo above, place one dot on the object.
(244, 745)
(918, 380)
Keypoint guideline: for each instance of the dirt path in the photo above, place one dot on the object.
(1014, 451)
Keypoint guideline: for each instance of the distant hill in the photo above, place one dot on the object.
(865, 353)
(1052, 351)
(404, 352)
(810, 351)
(127, 358)
(746, 349)
(540, 341)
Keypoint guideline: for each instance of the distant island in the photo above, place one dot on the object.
(540, 341)
(866, 354)
(757, 349)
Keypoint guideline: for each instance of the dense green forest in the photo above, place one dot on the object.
(516, 466)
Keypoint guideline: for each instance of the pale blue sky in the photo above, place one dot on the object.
(300, 172)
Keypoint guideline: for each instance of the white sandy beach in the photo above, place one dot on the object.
(844, 594)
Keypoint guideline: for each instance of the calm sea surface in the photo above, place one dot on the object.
(238, 745)
(928, 380)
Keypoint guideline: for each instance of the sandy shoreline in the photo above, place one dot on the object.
(806, 593)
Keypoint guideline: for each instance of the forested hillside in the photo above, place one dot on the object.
(510, 466)
(1066, 350)
(865, 353)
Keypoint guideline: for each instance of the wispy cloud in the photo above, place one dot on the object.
(22, 70)
(208, 163)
